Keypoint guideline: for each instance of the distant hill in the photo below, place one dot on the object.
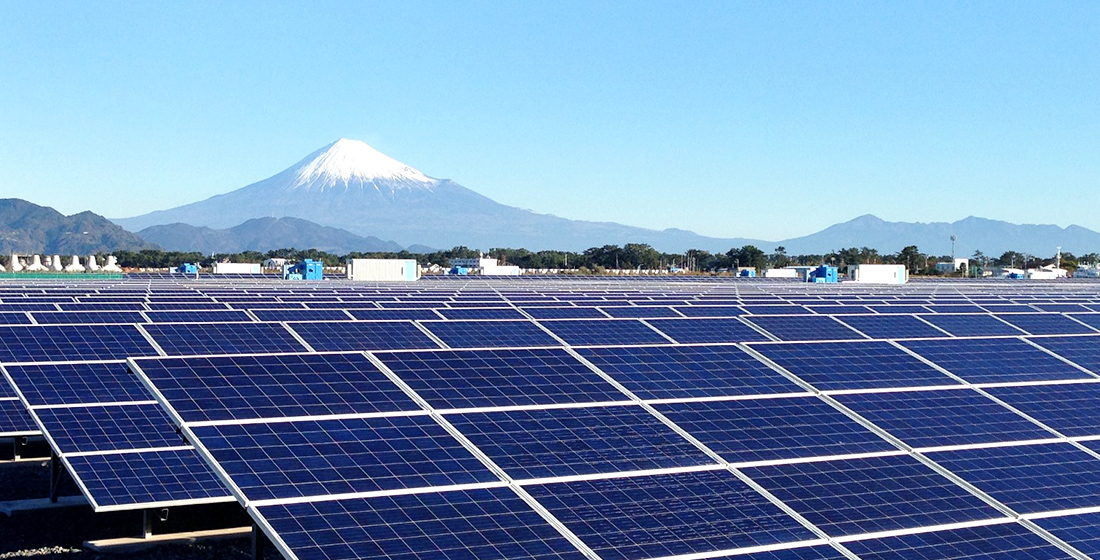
(29, 228)
(263, 234)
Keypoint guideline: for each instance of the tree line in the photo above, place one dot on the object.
(632, 256)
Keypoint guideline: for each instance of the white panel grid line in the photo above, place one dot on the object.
(1060, 357)
(152, 342)
(427, 332)
(659, 331)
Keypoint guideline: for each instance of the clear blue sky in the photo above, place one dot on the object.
(766, 120)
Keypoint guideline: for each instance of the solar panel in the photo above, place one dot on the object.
(472, 313)
(14, 420)
(1029, 478)
(146, 479)
(77, 383)
(273, 386)
(994, 360)
(892, 326)
(182, 339)
(744, 431)
(482, 334)
(279, 460)
(107, 428)
(87, 317)
(1046, 323)
(186, 306)
(948, 417)
(787, 309)
(689, 331)
(819, 552)
(564, 312)
(668, 514)
(1001, 541)
(853, 365)
(1061, 307)
(97, 306)
(577, 441)
(1080, 531)
(481, 378)
(1002, 308)
(1081, 350)
(594, 332)
(487, 524)
(40, 343)
(906, 309)
(381, 335)
(278, 315)
(954, 308)
(972, 325)
(805, 328)
(13, 318)
(855, 496)
(1072, 409)
(640, 312)
(394, 314)
(838, 309)
(198, 316)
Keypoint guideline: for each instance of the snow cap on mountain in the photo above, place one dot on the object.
(344, 163)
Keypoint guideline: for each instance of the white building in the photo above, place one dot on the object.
(383, 270)
(952, 266)
(237, 268)
(275, 263)
(879, 273)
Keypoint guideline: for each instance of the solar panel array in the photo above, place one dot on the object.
(579, 418)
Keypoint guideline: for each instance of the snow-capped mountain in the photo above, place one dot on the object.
(350, 185)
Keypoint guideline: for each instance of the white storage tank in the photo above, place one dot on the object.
(237, 268)
(383, 270)
(880, 273)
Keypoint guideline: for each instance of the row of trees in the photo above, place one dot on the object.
(630, 256)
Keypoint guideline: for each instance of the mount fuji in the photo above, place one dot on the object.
(350, 185)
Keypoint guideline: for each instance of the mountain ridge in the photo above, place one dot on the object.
(263, 234)
(26, 227)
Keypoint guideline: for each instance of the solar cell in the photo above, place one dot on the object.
(819, 552)
(1001, 541)
(710, 311)
(670, 372)
(856, 496)
(582, 332)
(744, 431)
(787, 309)
(688, 331)
(41, 343)
(1046, 323)
(1090, 319)
(107, 428)
(273, 386)
(1081, 350)
(468, 379)
(1072, 409)
(640, 312)
(898, 308)
(805, 328)
(954, 308)
(277, 315)
(147, 478)
(380, 335)
(186, 306)
(320, 458)
(103, 306)
(182, 339)
(994, 360)
(472, 313)
(394, 314)
(564, 312)
(577, 441)
(77, 383)
(1061, 307)
(838, 309)
(484, 334)
(487, 524)
(199, 316)
(853, 365)
(972, 325)
(1003, 308)
(1080, 531)
(14, 419)
(14, 318)
(668, 514)
(1029, 478)
(87, 317)
(948, 417)
(892, 326)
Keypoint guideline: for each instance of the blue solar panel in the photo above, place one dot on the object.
(199, 316)
(180, 339)
(1072, 409)
(1061, 307)
(482, 313)
(582, 332)
(640, 312)
(1029, 478)
(690, 331)
(857, 365)
(486, 524)
(564, 312)
(41, 343)
(906, 309)
(1080, 531)
(787, 309)
(321, 458)
(381, 335)
(669, 372)
(1002, 541)
(805, 328)
(186, 306)
(972, 325)
(276, 315)
(666, 515)
(744, 431)
(394, 314)
(950, 417)
(892, 326)
(45, 384)
(954, 308)
(857, 496)
(13, 318)
(483, 334)
(112, 306)
(819, 552)
(1007, 308)
(106, 428)
(466, 379)
(1081, 350)
(994, 360)
(710, 311)
(576, 441)
(14, 419)
(9, 306)
(87, 317)
(151, 477)
(1046, 323)
(267, 304)
(275, 386)
(839, 309)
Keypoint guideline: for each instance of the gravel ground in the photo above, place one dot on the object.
(59, 534)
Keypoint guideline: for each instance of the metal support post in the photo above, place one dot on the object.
(259, 542)
(55, 477)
